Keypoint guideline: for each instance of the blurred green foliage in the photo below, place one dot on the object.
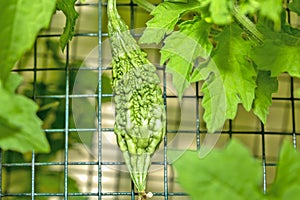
(52, 111)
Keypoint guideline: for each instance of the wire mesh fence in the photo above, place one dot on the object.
(74, 94)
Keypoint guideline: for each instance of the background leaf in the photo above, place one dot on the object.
(20, 128)
(21, 21)
(221, 174)
(67, 7)
(287, 181)
(12, 82)
(278, 54)
(295, 6)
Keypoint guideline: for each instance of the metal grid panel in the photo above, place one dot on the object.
(79, 174)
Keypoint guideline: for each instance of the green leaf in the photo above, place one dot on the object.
(266, 85)
(67, 7)
(272, 10)
(20, 128)
(278, 54)
(12, 82)
(180, 75)
(182, 48)
(248, 6)
(23, 21)
(214, 100)
(231, 173)
(287, 181)
(229, 79)
(165, 17)
(295, 6)
(235, 70)
(221, 11)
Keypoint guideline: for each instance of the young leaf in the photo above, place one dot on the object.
(266, 85)
(271, 9)
(278, 54)
(20, 128)
(182, 48)
(295, 6)
(287, 181)
(221, 174)
(236, 72)
(67, 7)
(20, 23)
(165, 17)
(221, 11)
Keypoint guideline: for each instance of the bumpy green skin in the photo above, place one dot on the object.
(140, 114)
(139, 105)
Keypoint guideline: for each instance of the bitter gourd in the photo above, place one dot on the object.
(139, 107)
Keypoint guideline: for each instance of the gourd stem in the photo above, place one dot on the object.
(112, 13)
(111, 8)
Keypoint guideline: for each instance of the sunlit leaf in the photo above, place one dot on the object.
(165, 17)
(182, 48)
(266, 86)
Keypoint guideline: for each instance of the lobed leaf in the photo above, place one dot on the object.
(278, 54)
(266, 85)
(165, 17)
(182, 48)
(235, 71)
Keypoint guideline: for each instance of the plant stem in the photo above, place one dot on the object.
(145, 5)
(247, 25)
